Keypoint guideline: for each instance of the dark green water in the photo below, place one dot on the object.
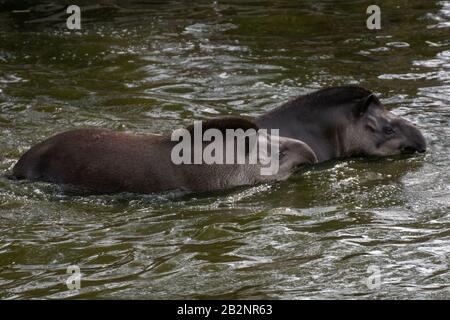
(155, 67)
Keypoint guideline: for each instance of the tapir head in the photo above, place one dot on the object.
(379, 132)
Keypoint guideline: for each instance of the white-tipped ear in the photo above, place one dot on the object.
(294, 152)
(363, 104)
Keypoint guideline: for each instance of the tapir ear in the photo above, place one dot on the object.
(363, 104)
(291, 150)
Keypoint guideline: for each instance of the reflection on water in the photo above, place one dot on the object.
(153, 67)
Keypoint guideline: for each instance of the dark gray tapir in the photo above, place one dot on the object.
(344, 121)
(104, 161)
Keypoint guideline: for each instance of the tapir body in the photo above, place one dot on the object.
(346, 121)
(104, 161)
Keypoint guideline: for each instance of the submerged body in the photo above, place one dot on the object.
(342, 122)
(104, 161)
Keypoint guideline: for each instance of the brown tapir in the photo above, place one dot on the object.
(104, 161)
(342, 122)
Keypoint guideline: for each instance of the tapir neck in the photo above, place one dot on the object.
(326, 136)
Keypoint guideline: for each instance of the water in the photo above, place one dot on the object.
(155, 67)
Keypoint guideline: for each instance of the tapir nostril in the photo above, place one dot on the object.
(421, 150)
(421, 147)
(411, 149)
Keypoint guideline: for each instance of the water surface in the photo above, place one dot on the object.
(157, 66)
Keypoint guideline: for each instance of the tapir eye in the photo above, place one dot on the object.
(388, 130)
